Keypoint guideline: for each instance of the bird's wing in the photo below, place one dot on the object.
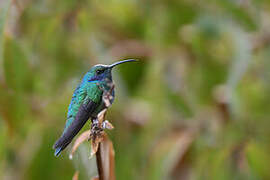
(79, 111)
(75, 126)
(78, 98)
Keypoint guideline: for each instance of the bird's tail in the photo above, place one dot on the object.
(57, 151)
(68, 135)
(63, 142)
(73, 129)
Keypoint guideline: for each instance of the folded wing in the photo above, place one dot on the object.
(83, 114)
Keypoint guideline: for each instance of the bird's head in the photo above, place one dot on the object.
(101, 72)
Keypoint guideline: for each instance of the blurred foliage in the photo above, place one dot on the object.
(196, 106)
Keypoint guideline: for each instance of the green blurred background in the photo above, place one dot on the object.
(196, 106)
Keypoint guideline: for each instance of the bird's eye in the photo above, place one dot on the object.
(99, 71)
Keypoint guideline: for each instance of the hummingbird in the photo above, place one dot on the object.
(87, 102)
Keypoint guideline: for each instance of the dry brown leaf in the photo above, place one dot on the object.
(95, 143)
(76, 176)
(84, 136)
(94, 148)
(106, 101)
(101, 115)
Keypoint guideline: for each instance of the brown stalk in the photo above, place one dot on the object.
(99, 164)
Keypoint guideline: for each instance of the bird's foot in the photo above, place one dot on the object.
(97, 128)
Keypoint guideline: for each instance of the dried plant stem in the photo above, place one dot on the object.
(99, 164)
(105, 159)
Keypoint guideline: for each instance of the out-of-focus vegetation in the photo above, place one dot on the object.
(195, 107)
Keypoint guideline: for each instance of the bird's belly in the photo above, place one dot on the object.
(98, 110)
(101, 107)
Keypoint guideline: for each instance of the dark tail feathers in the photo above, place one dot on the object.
(81, 117)
(57, 151)
(69, 134)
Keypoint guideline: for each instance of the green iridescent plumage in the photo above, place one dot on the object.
(86, 102)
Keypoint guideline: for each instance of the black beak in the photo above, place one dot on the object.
(120, 62)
